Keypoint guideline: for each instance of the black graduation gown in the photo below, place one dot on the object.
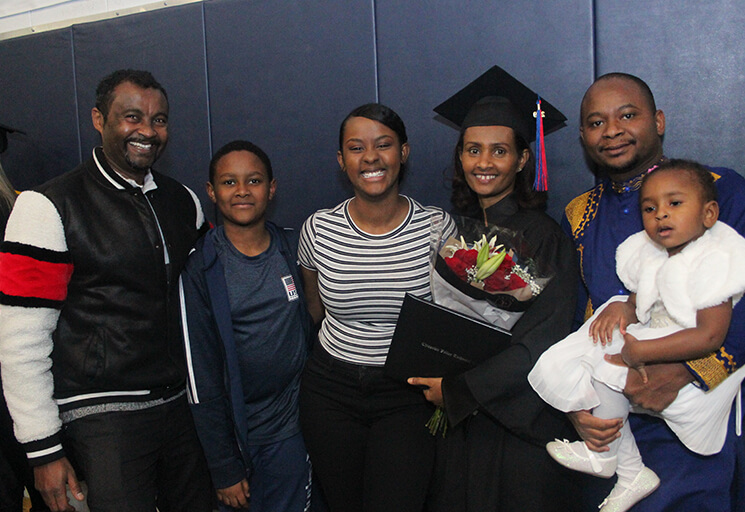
(493, 457)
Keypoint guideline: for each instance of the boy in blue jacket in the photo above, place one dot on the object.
(247, 332)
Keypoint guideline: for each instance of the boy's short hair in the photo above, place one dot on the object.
(699, 174)
(240, 145)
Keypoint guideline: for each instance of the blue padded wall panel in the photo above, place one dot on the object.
(692, 56)
(283, 75)
(429, 50)
(170, 44)
(38, 97)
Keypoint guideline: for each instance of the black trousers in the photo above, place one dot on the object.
(135, 460)
(366, 436)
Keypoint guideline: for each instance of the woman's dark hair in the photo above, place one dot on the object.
(466, 201)
(385, 116)
(240, 145)
(699, 174)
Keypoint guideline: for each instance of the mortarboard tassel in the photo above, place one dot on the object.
(541, 173)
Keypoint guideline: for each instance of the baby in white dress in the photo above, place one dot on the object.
(685, 273)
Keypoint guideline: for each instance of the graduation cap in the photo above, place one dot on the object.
(496, 98)
(4, 131)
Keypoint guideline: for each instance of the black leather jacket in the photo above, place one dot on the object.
(119, 328)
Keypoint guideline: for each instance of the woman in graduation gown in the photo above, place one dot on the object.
(493, 456)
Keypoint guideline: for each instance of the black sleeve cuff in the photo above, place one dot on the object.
(44, 451)
(229, 473)
(459, 402)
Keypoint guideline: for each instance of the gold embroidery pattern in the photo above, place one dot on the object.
(582, 209)
(579, 212)
(714, 368)
(589, 310)
(632, 185)
(728, 360)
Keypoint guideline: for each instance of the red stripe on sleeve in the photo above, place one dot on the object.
(22, 276)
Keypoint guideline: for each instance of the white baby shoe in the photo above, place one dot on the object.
(577, 456)
(622, 498)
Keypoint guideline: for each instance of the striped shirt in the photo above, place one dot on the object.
(362, 278)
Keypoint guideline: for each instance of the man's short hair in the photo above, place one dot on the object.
(646, 91)
(105, 89)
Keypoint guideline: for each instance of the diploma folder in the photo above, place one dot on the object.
(433, 341)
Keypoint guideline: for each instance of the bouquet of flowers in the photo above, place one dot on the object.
(488, 274)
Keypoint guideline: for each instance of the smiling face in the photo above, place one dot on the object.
(241, 189)
(371, 156)
(135, 130)
(491, 161)
(619, 129)
(674, 211)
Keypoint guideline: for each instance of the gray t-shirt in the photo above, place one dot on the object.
(267, 327)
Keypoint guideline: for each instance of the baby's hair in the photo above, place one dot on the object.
(699, 174)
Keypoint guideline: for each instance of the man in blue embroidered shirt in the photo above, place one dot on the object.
(621, 130)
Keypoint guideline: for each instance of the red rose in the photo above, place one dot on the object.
(517, 282)
(496, 282)
(461, 261)
(467, 256)
(502, 280)
(457, 266)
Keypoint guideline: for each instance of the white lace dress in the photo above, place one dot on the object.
(670, 290)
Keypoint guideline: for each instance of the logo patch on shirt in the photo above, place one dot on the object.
(290, 288)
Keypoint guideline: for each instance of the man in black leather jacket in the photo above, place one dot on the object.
(90, 338)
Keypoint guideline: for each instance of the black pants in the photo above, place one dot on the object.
(134, 460)
(366, 436)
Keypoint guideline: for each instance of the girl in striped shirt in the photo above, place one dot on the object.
(364, 431)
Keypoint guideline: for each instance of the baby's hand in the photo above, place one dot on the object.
(628, 353)
(617, 314)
